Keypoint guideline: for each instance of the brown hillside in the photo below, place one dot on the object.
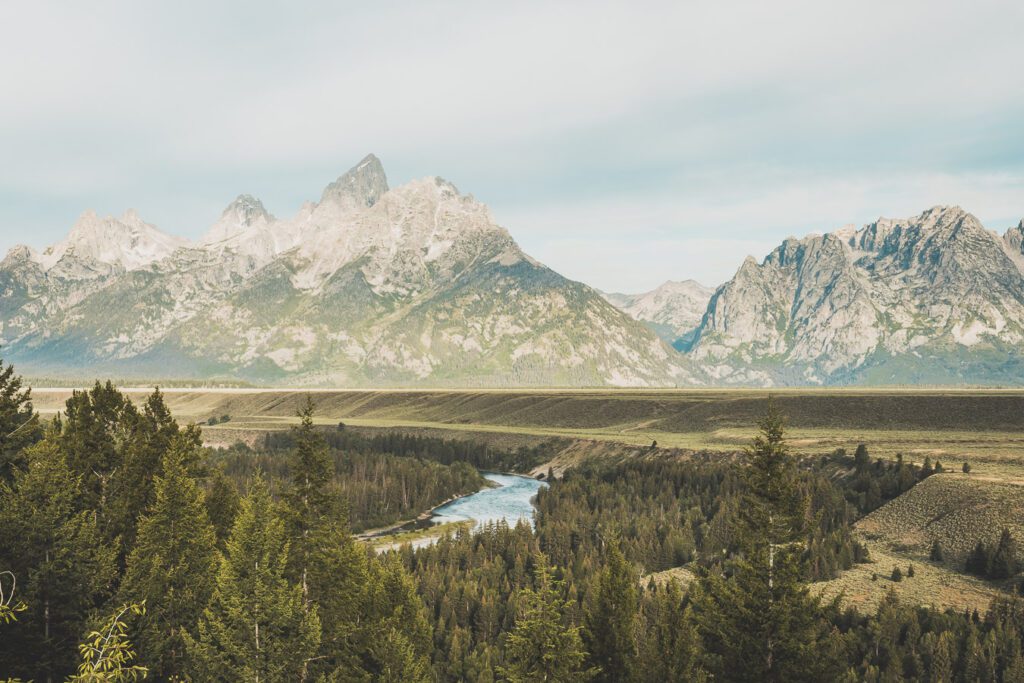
(958, 510)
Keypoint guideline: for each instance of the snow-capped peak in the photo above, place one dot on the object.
(127, 242)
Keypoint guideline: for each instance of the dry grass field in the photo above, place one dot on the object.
(985, 427)
(938, 586)
(955, 509)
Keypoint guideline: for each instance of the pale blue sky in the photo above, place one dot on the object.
(621, 143)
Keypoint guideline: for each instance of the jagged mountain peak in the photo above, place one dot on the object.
(127, 242)
(239, 217)
(247, 208)
(362, 185)
(370, 286)
(925, 296)
(19, 253)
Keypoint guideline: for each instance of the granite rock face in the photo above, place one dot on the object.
(933, 299)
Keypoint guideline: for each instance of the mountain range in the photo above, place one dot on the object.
(417, 285)
(370, 285)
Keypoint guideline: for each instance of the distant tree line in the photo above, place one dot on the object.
(378, 488)
(445, 451)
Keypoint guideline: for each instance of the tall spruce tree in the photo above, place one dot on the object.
(395, 606)
(758, 619)
(132, 482)
(63, 564)
(255, 628)
(222, 502)
(336, 576)
(611, 619)
(398, 660)
(19, 423)
(342, 590)
(543, 647)
(942, 660)
(670, 649)
(309, 504)
(98, 426)
(1003, 562)
(172, 566)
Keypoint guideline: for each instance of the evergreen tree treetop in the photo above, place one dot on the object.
(19, 423)
(256, 627)
(758, 619)
(172, 565)
(542, 647)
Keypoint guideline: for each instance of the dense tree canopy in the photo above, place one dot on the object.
(120, 528)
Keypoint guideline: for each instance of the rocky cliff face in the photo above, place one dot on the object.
(370, 285)
(936, 298)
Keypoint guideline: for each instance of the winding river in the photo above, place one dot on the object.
(509, 500)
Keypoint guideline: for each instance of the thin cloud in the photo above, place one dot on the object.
(740, 118)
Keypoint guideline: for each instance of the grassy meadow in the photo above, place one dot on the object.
(983, 426)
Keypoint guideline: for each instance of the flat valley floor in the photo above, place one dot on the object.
(983, 427)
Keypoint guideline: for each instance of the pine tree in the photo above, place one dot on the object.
(542, 647)
(255, 628)
(19, 423)
(760, 623)
(978, 560)
(398, 660)
(308, 503)
(172, 566)
(99, 425)
(861, 458)
(1003, 562)
(132, 481)
(343, 593)
(611, 621)
(331, 569)
(926, 469)
(222, 502)
(942, 660)
(395, 606)
(670, 648)
(63, 565)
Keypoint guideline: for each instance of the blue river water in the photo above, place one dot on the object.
(509, 501)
